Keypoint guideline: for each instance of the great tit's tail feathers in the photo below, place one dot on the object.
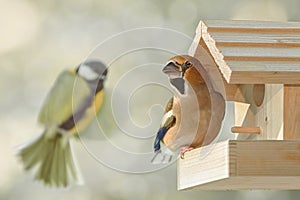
(52, 159)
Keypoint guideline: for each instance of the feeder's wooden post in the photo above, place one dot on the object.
(292, 112)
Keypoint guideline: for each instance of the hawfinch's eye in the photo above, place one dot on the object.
(188, 64)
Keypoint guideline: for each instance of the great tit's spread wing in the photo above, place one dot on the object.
(65, 97)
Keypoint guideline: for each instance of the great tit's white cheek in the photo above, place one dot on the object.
(87, 73)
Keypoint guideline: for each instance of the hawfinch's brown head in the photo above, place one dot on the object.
(176, 69)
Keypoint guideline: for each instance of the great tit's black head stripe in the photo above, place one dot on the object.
(97, 66)
(104, 74)
(77, 69)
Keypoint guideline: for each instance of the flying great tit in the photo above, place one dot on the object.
(72, 103)
(187, 114)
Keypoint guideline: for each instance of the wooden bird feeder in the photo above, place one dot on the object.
(259, 63)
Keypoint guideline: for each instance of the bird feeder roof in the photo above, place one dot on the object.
(249, 52)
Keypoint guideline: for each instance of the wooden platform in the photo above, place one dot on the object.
(237, 165)
(254, 52)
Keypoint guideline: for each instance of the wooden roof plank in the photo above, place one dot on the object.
(250, 24)
(266, 52)
(276, 40)
(280, 66)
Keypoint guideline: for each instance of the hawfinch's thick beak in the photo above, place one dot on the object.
(172, 70)
(175, 76)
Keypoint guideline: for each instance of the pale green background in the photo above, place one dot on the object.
(39, 38)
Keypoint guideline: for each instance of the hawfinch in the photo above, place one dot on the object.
(188, 114)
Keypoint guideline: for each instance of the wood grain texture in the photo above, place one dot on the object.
(246, 129)
(254, 52)
(292, 111)
(268, 116)
(237, 164)
(255, 26)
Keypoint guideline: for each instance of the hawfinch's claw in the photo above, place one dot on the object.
(184, 150)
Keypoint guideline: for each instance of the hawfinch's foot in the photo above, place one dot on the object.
(184, 149)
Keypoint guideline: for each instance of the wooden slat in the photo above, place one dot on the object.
(263, 59)
(279, 66)
(245, 129)
(254, 52)
(262, 44)
(233, 39)
(263, 77)
(191, 172)
(236, 164)
(266, 158)
(292, 111)
(269, 50)
(259, 26)
(252, 183)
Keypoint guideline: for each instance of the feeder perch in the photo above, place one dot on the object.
(259, 66)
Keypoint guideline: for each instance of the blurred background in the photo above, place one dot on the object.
(40, 38)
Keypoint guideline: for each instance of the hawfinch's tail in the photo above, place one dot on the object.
(162, 156)
(53, 159)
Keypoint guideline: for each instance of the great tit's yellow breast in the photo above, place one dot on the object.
(90, 113)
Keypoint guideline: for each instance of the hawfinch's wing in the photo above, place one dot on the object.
(167, 122)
